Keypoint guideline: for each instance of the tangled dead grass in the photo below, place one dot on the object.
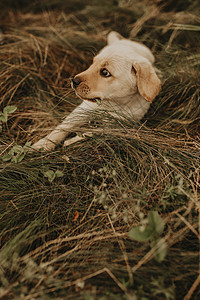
(67, 237)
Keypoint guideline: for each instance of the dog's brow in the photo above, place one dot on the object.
(104, 64)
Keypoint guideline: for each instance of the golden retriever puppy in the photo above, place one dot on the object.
(121, 79)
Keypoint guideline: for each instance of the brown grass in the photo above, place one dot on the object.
(68, 239)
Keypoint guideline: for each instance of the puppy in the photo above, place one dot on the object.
(122, 78)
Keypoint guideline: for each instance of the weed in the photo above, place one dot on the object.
(9, 109)
(17, 153)
(151, 229)
(51, 175)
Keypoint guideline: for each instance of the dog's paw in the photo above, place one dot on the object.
(77, 138)
(44, 145)
(73, 140)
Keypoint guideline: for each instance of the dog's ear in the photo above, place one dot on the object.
(113, 37)
(148, 82)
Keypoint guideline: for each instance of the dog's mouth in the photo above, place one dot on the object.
(94, 100)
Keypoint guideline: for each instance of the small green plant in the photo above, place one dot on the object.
(7, 111)
(4, 114)
(51, 175)
(151, 231)
(159, 288)
(17, 153)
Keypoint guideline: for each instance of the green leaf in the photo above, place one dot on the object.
(3, 117)
(59, 173)
(7, 157)
(152, 231)
(139, 234)
(161, 252)
(50, 175)
(155, 222)
(9, 109)
(20, 156)
(14, 159)
(16, 149)
(17, 153)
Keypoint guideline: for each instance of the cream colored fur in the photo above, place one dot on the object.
(129, 89)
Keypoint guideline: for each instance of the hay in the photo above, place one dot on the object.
(65, 235)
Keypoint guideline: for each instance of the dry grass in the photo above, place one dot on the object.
(67, 237)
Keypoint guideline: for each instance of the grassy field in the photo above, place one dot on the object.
(117, 215)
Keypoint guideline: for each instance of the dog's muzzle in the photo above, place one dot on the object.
(75, 82)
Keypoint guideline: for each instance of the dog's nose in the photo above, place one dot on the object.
(75, 82)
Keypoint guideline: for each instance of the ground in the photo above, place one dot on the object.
(117, 215)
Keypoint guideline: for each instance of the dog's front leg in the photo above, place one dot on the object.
(75, 119)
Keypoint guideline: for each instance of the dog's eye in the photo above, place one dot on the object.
(105, 73)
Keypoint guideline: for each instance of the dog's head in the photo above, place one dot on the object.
(121, 69)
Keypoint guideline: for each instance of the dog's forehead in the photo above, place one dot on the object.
(124, 52)
(105, 61)
(110, 56)
(109, 53)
